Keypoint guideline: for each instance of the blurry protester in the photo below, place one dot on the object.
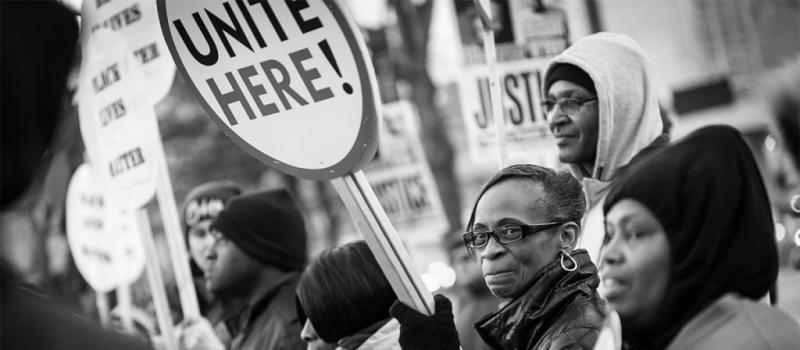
(523, 227)
(36, 62)
(601, 105)
(690, 248)
(473, 298)
(200, 208)
(345, 299)
(258, 253)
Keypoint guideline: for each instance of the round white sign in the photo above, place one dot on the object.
(117, 120)
(137, 22)
(289, 81)
(104, 241)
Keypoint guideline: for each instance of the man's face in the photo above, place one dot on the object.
(229, 271)
(199, 240)
(509, 269)
(576, 133)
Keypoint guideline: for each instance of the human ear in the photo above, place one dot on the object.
(569, 235)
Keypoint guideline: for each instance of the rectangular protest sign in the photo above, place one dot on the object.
(402, 178)
(525, 38)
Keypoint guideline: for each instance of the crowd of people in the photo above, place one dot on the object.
(675, 238)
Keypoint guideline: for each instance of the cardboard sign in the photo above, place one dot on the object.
(117, 120)
(137, 22)
(402, 178)
(104, 241)
(525, 41)
(288, 81)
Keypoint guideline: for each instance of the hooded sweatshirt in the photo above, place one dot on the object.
(630, 119)
(708, 194)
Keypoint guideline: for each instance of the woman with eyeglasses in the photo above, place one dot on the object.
(690, 250)
(523, 230)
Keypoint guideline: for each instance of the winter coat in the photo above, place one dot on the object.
(733, 322)
(384, 338)
(561, 310)
(630, 119)
(269, 320)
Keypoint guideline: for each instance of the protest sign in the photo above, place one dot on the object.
(402, 178)
(103, 240)
(137, 22)
(120, 132)
(291, 84)
(288, 81)
(526, 38)
(117, 120)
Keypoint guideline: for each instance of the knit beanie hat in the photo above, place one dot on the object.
(206, 201)
(267, 226)
(571, 73)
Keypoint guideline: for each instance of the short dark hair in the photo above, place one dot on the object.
(562, 191)
(343, 291)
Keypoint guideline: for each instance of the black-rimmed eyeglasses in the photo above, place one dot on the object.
(505, 234)
(568, 105)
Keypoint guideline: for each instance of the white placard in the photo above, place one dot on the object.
(402, 179)
(104, 241)
(288, 81)
(117, 120)
(137, 22)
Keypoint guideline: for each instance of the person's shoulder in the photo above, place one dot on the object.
(734, 322)
(579, 325)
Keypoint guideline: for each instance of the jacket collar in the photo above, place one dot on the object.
(528, 316)
(251, 309)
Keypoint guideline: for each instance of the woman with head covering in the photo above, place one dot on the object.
(345, 298)
(690, 248)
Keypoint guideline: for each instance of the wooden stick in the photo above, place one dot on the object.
(124, 306)
(485, 13)
(102, 308)
(378, 232)
(156, 282)
(175, 241)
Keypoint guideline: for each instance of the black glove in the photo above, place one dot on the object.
(421, 332)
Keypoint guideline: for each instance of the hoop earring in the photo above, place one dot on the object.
(564, 266)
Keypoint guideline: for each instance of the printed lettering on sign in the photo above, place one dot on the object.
(137, 22)
(287, 80)
(117, 120)
(402, 178)
(103, 241)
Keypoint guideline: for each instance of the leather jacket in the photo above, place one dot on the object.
(561, 310)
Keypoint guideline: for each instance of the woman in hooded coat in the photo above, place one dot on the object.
(690, 249)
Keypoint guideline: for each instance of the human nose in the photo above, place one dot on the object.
(210, 251)
(556, 118)
(493, 249)
(611, 253)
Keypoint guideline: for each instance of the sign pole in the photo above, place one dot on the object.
(175, 241)
(102, 308)
(378, 232)
(494, 81)
(124, 305)
(156, 282)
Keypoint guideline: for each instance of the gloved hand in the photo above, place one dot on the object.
(197, 334)
(422, 332)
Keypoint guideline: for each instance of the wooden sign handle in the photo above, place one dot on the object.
(383, 241)
(495, 95)
(156, 282)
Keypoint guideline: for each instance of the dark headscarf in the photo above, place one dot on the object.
(710, 198)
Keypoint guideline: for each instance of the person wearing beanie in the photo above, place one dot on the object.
(690, 249)
(258, 253)
(601, 107)
(345, 298)
(199, 209)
